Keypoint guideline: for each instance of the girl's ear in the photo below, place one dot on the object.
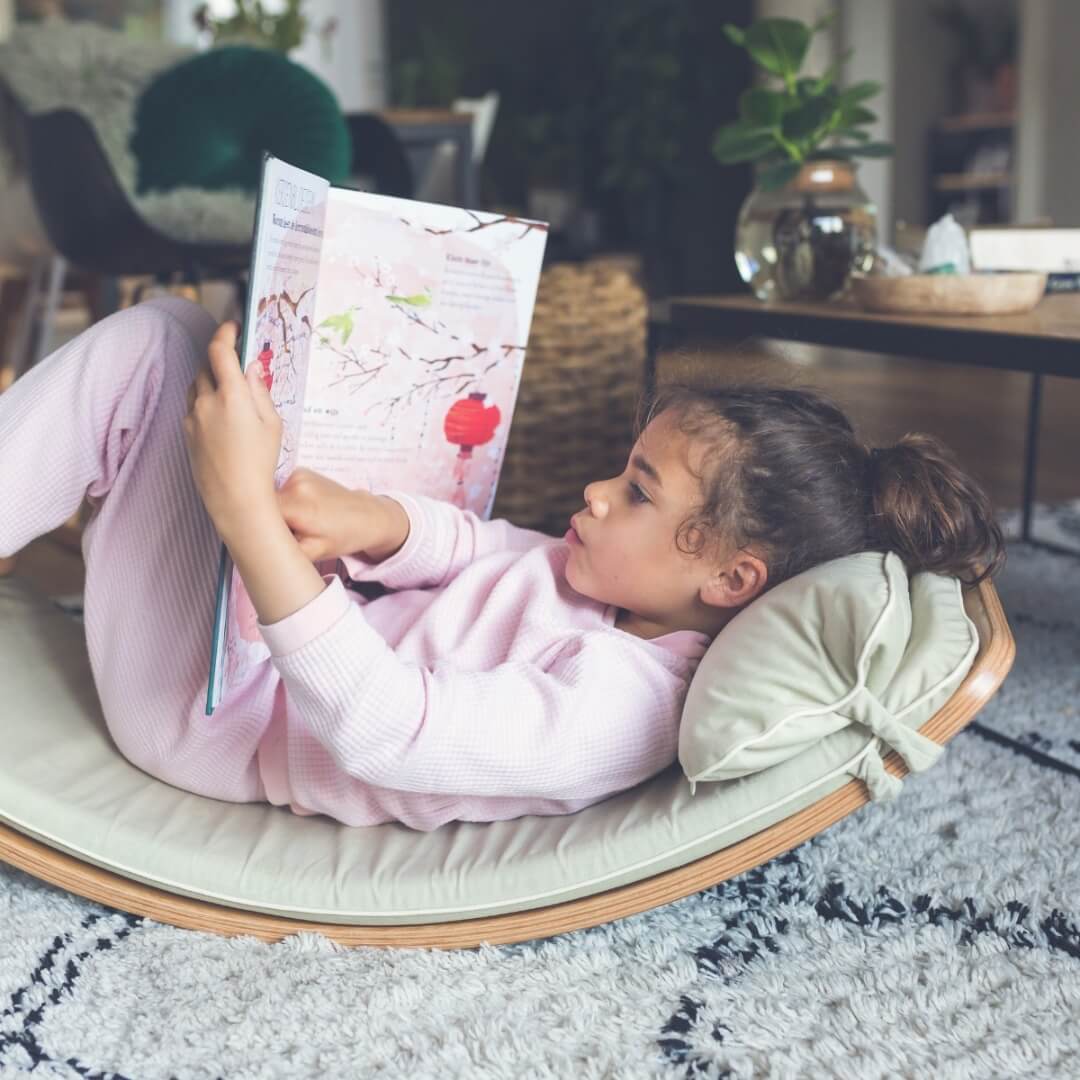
(736, 582)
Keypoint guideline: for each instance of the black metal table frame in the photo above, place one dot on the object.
(1044, 355)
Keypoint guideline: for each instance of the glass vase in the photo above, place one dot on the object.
(802, 241)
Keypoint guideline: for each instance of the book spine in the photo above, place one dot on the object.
(1058, 283)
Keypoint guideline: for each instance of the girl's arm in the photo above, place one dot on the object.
(278, 576)
(441, 541)
(233, 434)
(594, 717)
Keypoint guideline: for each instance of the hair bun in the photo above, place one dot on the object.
(932, 513)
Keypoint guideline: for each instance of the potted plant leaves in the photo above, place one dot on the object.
(807, 224)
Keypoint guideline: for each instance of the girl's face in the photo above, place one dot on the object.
(624, 550)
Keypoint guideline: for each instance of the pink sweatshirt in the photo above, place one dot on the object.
(482, 688)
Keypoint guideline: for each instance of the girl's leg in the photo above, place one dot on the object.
(101, 417)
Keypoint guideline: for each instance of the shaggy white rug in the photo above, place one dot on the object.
(937, 936)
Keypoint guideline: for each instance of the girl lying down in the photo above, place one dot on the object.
(506, 672)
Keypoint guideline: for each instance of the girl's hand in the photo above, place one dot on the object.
(233, 435)
(330, 520)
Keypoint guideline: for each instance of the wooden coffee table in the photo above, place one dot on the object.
(1046, 341)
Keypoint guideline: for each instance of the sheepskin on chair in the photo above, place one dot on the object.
(57, 64)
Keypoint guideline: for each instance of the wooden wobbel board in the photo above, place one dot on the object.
(992, 664)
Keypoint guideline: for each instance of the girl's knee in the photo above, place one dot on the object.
(194, 317)
(180, 320)
(170, 333)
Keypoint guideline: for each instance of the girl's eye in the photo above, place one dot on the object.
(636, 494)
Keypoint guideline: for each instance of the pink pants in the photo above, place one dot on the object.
(102, 417)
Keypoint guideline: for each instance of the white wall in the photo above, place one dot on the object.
(919, 93)
(1048, 151)
(357, 67)
(177, 22)
(868, 27)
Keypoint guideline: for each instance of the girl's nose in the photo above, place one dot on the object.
(596, 500)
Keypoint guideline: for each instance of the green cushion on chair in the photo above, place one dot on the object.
(206, 122)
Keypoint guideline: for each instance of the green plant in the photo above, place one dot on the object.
(640, 84)
(781, 129)
(553, 143)
(433, 75)
(252, 24)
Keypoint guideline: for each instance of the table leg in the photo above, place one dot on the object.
(468, 181)
(1031, 454)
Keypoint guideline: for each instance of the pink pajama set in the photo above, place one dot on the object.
(482, 687)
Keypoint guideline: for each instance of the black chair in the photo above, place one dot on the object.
(93, 226)
(89, 219)
(378, 153)
(94, 229)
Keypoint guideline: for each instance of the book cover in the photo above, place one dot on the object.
(1015, 248)
(391, 334)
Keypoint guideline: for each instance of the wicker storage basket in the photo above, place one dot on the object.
(580, 385)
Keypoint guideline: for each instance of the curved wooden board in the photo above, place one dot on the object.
(992, 663)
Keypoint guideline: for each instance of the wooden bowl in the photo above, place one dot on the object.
(950, 294)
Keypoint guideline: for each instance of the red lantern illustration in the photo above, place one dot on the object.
(468, 423)
(264, 359)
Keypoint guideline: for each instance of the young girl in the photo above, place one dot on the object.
(507, 672)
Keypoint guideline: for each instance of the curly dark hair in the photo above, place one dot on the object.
(784, 473)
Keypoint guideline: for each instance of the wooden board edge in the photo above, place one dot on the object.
(991, 665)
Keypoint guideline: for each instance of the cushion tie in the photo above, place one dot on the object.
(918, 751)
(870, 769)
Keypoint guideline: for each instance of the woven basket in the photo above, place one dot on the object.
(580, 386)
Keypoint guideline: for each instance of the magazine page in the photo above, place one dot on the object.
(276, 334)
(422, 317)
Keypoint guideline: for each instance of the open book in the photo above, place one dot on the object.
(391, 334)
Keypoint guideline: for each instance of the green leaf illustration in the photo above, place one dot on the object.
(417, 300)
(343, 324)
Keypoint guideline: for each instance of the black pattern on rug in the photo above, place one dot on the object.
(53, 978)
(768, 904)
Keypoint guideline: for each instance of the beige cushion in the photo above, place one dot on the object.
(852, 641)
(63, 782)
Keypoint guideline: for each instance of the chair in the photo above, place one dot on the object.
(441, 181)
(76, 814)
(446, 179)
(379, 162)
(93, 226)
(439, 145)
(483, 111)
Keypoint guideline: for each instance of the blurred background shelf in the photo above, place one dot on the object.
(971, 181)
(977, 122)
